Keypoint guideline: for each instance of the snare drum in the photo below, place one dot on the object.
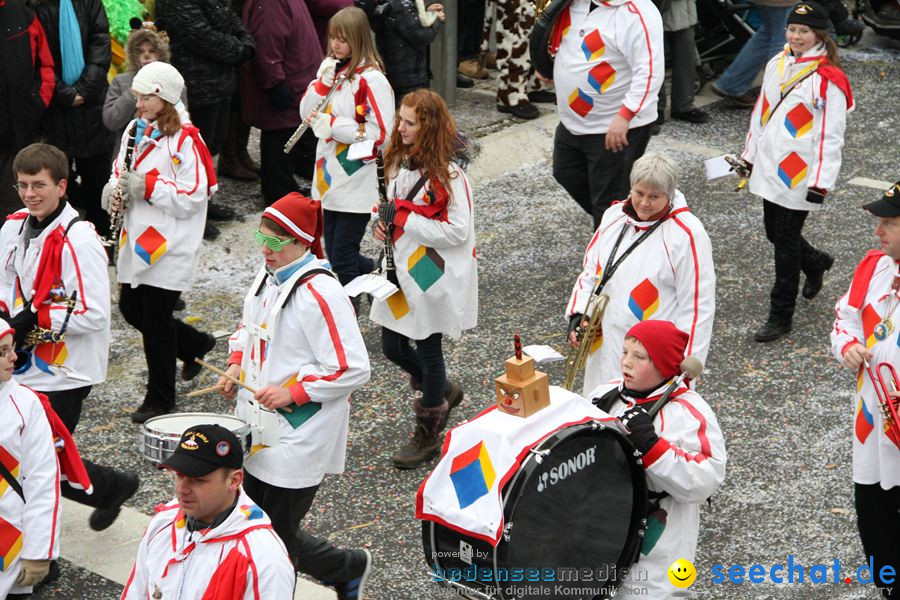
(160, 435)
(574, 516)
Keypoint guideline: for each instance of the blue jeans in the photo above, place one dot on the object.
(343, 233)
(425, 363)
(765, 43)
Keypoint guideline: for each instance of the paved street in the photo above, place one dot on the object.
(785, 407)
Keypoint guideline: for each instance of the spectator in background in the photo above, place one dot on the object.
(143, 47)
(26, 88)
(78, 36)
(767, 41)
(208, 43)
(678, 23)
(289, 51)
(403, 31)
(468, 40)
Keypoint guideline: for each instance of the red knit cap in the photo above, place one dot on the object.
(301, 217)
(664, 342)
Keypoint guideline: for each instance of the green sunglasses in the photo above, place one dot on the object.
(275, 244)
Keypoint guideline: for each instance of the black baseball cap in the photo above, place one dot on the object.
(203, 449)
(889, 205)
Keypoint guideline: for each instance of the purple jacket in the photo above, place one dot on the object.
(288, 48)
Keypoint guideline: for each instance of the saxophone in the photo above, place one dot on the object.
(117, 214)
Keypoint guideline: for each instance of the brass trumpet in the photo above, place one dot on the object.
(889, 406)
(588, 332)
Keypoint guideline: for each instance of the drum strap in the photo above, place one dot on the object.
(12, 481)
(606, 401)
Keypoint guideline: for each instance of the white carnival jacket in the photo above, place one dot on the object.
(435, 259)
(669, 276)
(162, 234)
(342, 184)
(314, 348)
(28, 530)
(80, 359)
(876, 459)
(688, 464)
(181, 565)
(609, 62)
(796, 145)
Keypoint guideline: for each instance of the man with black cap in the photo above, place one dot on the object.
(682, 448)
(865, 332)
(212, 541)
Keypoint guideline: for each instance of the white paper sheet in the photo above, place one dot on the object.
(370, 283)
(717, 167)
(543, 354)
(360, 150)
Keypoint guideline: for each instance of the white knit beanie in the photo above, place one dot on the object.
(161, 79)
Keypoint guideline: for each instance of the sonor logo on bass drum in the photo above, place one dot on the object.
(567, 468)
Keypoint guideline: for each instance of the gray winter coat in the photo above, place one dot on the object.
(681, 15)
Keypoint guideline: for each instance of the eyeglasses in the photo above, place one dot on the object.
(275, 244)
(38, 186)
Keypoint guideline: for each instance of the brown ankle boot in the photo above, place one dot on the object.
(231, 168)
(426, 440)
(243, 157)
(453, 395)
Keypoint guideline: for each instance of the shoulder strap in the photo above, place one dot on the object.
(606, 401)
(301, 280)
(416, 188)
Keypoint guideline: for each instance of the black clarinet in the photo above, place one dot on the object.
(117, 217)
(386, 214)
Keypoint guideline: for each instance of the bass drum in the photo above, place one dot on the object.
(539, 41)
(574, 514)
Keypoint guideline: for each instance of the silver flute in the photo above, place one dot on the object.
(319, 107)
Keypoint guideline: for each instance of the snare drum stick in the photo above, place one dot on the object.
(204, 391)
(233, 380)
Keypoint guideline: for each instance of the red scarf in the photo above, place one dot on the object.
(861, 278)
(437, 201)
(70, 463)
(230, 579)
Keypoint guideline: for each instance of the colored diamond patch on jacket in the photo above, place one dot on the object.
(323, 177)
(592, 45)
(150, 245)
(766, 111)
(12, 465)
(798, 121)
(644, 300)
(48, 355)
(425, 266)
(580, 102)
(251, 511)
(350, 166)
(792, 170)
(865, 423)
(601, 77)
(472, 474)
(10, 544)
(870, 318)
(398, 304)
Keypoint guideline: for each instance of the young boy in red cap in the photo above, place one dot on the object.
(682, 446)
(299, 345)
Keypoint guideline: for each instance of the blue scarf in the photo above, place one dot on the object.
(141, 127)
(70, 43)
(284, 273)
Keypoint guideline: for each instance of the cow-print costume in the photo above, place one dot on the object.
(512, 21)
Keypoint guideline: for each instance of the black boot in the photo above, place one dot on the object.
(813, 284)
(126, 485)
(772, 330)
(426, 440)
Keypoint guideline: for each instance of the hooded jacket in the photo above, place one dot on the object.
(240, 558)
(78, 130)
(669, 276)
(402, 41)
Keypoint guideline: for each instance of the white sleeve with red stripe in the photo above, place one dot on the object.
(752, 140)
(40, 481)
(271, 574)
(437, 233)
(136, 586)
(695, 283)
(8, 234)
(379, 115)
(185, 195)
(238, 341)
(328, 323)
(587, 279)
(689, 459)
(644, 53)
(315, 91)
(84, 268)
(826, 157)
(847, 328)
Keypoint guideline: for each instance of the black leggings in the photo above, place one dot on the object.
(425, 363)
(878, 517)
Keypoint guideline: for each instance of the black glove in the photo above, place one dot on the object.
(640, 427)
(815, 196)
(386, 213)
(23, 323)
(281, 97)
(574, 323)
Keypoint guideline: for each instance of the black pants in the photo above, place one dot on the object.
(792, 255)
(425, 362)
(149, 310)
(212, 121)
(343, 233)
(9, 198)
(237, 133)
(67, 404)
(593, 175)
(878, 516)
(276, 169)
(89, 175)
(684, 68)
(310, 555)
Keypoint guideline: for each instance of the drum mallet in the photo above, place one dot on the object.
(233, 380)
(691, 367)
(206, 390)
